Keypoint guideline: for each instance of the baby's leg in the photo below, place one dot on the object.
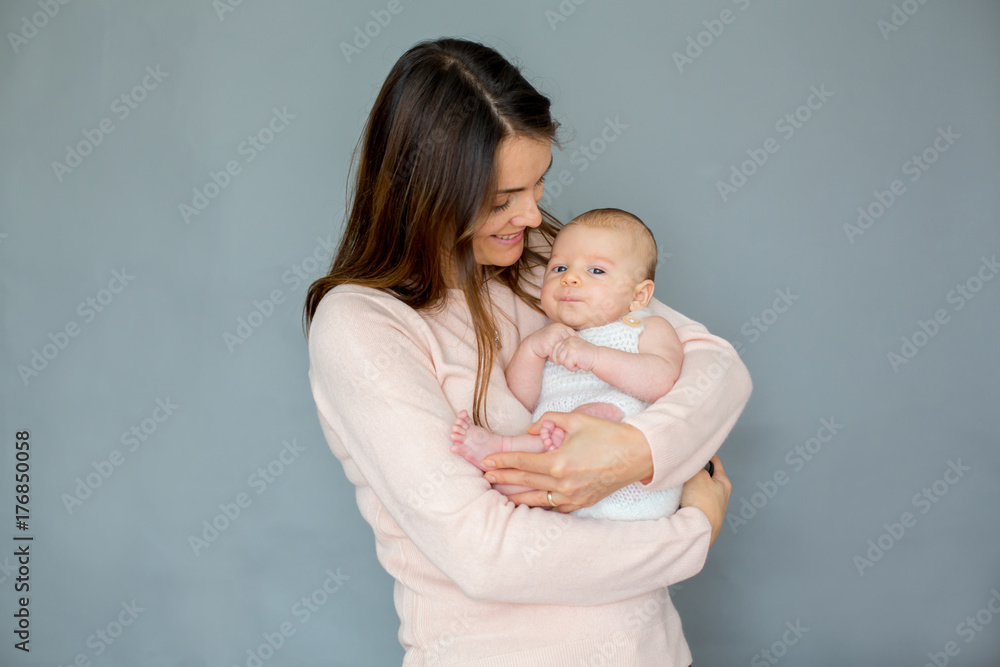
(475, 443)
(552, 436)
(608, 411)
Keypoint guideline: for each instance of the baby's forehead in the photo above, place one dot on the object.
(610, 243)
(619, 256)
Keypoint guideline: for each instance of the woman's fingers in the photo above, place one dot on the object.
(545, 472)
(563, 420)
(522, 461)
(521, 478)
(536, 498)
(529, 498)
(586, 467)
(719, 475)
(709, 494)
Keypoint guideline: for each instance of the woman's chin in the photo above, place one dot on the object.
(503, 259)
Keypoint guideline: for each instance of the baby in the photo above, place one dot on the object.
(605, 354)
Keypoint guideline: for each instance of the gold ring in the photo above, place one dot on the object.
(549, 496)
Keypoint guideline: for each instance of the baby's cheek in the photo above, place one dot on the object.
(621, 284)
(625, 289)
(547, 302)
(610, 302)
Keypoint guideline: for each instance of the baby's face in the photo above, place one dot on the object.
(590, 279)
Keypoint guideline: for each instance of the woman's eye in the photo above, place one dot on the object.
(502, 207)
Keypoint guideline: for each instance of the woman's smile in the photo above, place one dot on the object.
(510, 239)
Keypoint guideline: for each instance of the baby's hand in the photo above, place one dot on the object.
(575, 354)
(543, 340)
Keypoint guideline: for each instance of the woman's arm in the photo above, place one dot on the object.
(687, 426)
(387, 419)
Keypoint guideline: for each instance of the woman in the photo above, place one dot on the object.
(433, 285)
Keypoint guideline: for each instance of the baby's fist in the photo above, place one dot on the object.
(575, 354)
(546, 338)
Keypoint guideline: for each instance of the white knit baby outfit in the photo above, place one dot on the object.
(563, 390)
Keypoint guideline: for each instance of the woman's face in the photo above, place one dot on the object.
(521, 166)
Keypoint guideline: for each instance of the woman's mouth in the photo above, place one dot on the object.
(509, 239)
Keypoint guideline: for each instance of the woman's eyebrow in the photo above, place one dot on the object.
(509, 190)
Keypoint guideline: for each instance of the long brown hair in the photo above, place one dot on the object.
(426, 173)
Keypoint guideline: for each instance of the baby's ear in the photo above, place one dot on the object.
(643, 294)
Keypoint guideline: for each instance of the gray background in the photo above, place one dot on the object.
(722, 261)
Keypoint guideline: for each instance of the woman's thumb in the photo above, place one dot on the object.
(557, 418)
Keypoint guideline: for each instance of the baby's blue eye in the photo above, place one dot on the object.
(556, 269)
(597, 269)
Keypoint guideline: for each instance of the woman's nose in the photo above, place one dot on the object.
(531, 216)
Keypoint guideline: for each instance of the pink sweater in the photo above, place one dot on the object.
(480, 582)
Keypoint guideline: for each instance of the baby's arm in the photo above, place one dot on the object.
(524, 371)
(649, 374)
(524, 374)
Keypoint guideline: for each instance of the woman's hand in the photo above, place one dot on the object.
(596, 458)
(710, 494)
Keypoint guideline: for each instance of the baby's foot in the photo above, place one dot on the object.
(551, 435)
(473, 442)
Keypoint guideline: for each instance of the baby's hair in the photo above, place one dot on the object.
(627, 223)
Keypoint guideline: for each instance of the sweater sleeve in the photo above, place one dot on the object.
(374, 381)
(687, 425)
